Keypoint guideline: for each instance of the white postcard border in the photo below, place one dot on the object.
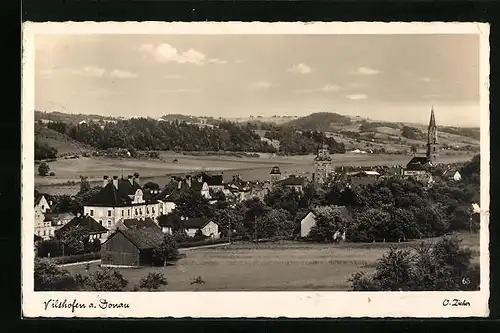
(247, 304)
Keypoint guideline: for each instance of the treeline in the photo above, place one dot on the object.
(305, 142)
(319, 121)
(149, 134)
(468, 132)
(412, 133)
(372, 126)
(66, 117)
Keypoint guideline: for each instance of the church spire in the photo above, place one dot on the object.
(432, 138)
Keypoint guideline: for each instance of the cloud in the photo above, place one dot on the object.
(426, 79)
(357, 97)
(89, 71)
(165, 53)
(259, 85)
(326, 88)
(367, 71)
(123, 74)
(300, 69)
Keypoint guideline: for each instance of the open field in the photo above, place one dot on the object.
(286, 266)
(159, 171)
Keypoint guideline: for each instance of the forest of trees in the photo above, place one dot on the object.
(150, 134)
(305, 142)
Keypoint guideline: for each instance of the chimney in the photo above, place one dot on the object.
(188, 181)
(179, 184)
(105, 181)
(115, 182)
(131, 179)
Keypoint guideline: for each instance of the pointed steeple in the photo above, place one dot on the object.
(432, 130)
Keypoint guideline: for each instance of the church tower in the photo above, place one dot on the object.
(432, 150)
(275, 175)
(322, 165)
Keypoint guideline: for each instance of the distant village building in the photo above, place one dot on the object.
(94, 229)
(452, 174)
(190, 225)
(361, 178)
(307, 221)
(293, 182)
(322, 165)
(419, 166)
(275, 175)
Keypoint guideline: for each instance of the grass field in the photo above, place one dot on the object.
(286, 266)
(159, 171)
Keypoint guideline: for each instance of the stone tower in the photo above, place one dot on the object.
(432, 149)
(275, 175)
(322, 165)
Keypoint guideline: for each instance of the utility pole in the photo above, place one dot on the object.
(229, 231)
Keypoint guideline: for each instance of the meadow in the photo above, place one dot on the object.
(68, 171)
(283, 266)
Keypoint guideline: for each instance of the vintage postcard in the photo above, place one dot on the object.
(228, 169)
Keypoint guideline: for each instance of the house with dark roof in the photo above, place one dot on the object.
(131, 247)
(190, 225)
(59, 219)
(121, 199)
(137, 224)
(91, 226)
(297, 183)
(42, 203)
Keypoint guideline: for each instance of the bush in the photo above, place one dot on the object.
(442, 267)
(153, 281)
(49, 277)
(43, 169)
(210, 241)
(166, 251)
(104, 279)
(52, 174)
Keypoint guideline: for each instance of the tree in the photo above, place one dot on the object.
(50, 277)
(84, 184)
(414, 148)
(166, 251)
(329, 220)
(74, 240)
(276, 223)
(43, 169)
(439, 267)
(193, 204)
(153, 281)
(104, 279)
(151, 186)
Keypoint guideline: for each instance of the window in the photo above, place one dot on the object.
(100, 221)
(109, 223)
(109, 213)
(147, 210)
(136, 212)
(140, 210)
(43, 207)
(153, 209)
(44, 232)
(123, 212)
(91, 212)
(128, 212)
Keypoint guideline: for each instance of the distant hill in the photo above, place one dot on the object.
(64, 144)
(69, 118)
(179, 117)
(320, 121)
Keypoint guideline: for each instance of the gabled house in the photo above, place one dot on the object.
(94, 229)
(190, 225)
(42, 203)
(131, 247)
(307, 221)
(121, 199)
(361, 178)
(43, 226)
(452, 174)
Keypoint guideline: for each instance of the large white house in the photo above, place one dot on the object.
(122, 199)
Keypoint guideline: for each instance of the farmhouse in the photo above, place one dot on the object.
(207, 227)
(91, 226)
(42, 203)
(121, 199)
(59, 219)
(43, 226)
(130, 247)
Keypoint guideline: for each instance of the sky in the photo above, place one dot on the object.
(383, 77)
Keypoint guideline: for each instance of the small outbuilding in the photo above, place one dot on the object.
(131, 247)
